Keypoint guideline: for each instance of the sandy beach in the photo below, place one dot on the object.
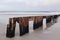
(51, 33)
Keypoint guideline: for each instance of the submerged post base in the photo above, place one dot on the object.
(10, 33)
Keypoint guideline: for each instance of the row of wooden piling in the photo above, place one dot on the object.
(24, 24)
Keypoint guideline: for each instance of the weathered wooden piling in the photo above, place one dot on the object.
(37, 22)
(11, 28)
(55, 18)
(48, 19)
(24, 26)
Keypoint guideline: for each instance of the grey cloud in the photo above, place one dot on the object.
(29, 5)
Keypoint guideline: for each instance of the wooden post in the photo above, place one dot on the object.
(55, 18)
(48, 19)
(37, 22)
(23, 24)
(11, 28)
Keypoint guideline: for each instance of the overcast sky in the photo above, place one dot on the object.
(29, 5)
